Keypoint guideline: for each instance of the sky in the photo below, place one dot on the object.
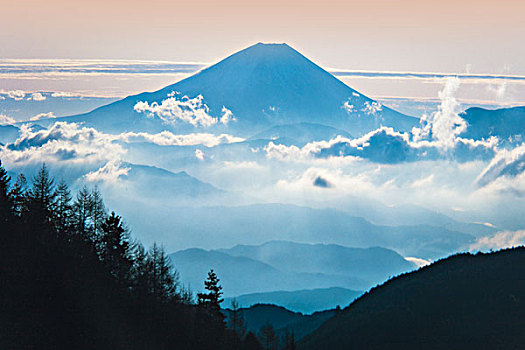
(469, 37)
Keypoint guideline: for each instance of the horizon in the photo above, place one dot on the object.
(415, 92)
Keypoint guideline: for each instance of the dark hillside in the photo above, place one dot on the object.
(463, 302)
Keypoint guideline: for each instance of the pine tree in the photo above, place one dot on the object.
(97, 211)
(139, 271)
(64, 209)
(162, 279)
(289, 341)
(18, 196)
(251, 342)
(212, 299)
(236, 322)
(115, 249)
(268, 338)
(82, 212)
(42, 196)
(5, 201)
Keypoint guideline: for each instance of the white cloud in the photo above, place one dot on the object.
(445, 124)
(16, 94)
(504, 239)
(110, 172)
(166, 138)
(6, 120)
(37, 96)
(173, 109)
(505, 162)
(227, 116)
(372, 108)
(418, 261)
(349, 108)
(242, 165)
(40, 116)
(64, 94)
(62, 142)
(199, 154)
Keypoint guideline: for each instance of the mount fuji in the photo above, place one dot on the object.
(263, 86)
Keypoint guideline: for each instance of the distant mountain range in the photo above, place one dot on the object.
(305, 301)
(281, 266)
(462, 302)
(374, 264)
(508, 124)
(256, 224)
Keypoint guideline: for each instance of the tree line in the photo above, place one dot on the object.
(72, 277)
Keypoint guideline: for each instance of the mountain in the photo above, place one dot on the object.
(300, 133)
(463, 302)
(8, 134)
(306, 301)
(263, 85)
(282, 319)
(505, 123)
(372, 264)
(260, 223)
(242, 275)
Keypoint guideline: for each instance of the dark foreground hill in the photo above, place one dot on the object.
(281, 319)
(71, 278)
(462, 302)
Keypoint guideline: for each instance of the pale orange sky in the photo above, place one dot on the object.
(445, 36)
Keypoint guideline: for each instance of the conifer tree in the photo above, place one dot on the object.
(251, 342)
(212, 299)
(162, 279)
(289, 341)
(115, 249)
(82, 212)
(5, 202)
(97, 210)
(42, 196)
(18, 195)
(64, 210)
(268, 338)
(236, 322)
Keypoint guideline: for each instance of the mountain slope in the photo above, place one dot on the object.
(465, 301)
(242, 275)
(505, 123)
(263, 85)
(372, 264)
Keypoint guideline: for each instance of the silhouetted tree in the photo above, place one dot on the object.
(5, 202)
(42, 196)
(82, 212)
(251, 342)
(97, 211)
(64, 210)
(289, 341)
(268, 338)
(212, 299)
(18, 195)
(115, 249)
(236, 321)
(162, 279)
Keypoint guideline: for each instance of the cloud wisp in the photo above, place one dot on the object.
(178, 109)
